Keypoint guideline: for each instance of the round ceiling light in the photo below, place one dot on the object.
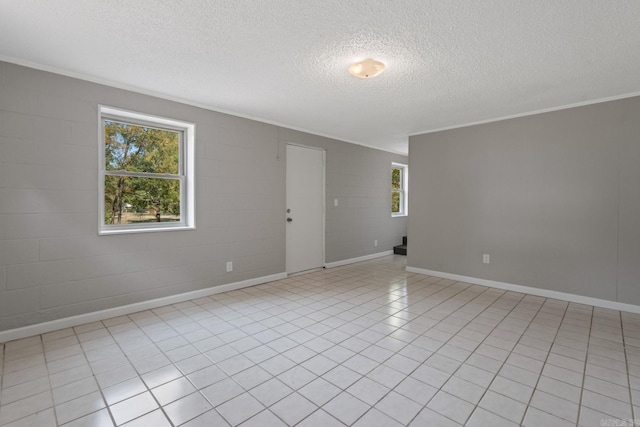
(366, 69)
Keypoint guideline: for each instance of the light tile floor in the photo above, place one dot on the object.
(366, 345)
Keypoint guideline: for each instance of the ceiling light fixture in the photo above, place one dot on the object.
(366, 69)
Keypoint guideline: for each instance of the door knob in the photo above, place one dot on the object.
(289, 219)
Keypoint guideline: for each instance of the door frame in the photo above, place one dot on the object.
(324, 200)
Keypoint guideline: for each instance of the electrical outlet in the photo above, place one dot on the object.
(335, 202)
(375, 243)
(486, 259)
(229, 266)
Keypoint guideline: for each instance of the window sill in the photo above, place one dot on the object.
(108, 232)
(399, 215)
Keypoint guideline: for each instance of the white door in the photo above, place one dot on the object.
(305, 208)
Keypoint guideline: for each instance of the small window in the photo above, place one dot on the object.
(146, 173)
(398, 189)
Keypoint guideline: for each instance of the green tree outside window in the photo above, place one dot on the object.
(143, 151)
(396, 190)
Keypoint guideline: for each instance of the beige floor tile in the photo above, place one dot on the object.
(606, 405)
(553, 405)
(25, 407)
(123, 390)
(45, 418)
(535, 417)
(293, 408)
(464, 389)
(81, 406)
(265, 418)
(346, 408)
(318, 391)
(398, 407)
(427, 417)
(240, 409)
(207, 376)
(100, 418)
(482, 418)
(172, 391)
(451, 407)
(503, 406)
(368, 391)
(24, 390)
(222, 391)
(187, 408)
(365, 344)
(74, 390)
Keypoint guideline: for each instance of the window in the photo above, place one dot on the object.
(399, 189)
(146, 173)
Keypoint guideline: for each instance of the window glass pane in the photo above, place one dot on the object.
(396, 179)
(134, 200)
(395, 201)
(137, 148)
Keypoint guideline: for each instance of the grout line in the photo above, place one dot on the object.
(407, 375)
(93, 375)
(370, 345)
(347, 322)
(626, 362)
(480, 343)
(147, 389)
(507, 358)
(535, 387)
(471, 353)
(584, 373)
(46, 365)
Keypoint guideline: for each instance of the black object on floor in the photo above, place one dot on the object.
(401, 249)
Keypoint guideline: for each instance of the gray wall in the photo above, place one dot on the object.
(52, 262)
(360, 178)
(554, 198)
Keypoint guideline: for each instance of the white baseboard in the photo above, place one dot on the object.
(580, 299)
(358, 259)
(68, 322)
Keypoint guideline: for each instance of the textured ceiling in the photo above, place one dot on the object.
(449, 63)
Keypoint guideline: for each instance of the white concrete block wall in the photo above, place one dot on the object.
(53, 264)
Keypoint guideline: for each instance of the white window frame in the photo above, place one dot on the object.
(404, 193)
(186, 172)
